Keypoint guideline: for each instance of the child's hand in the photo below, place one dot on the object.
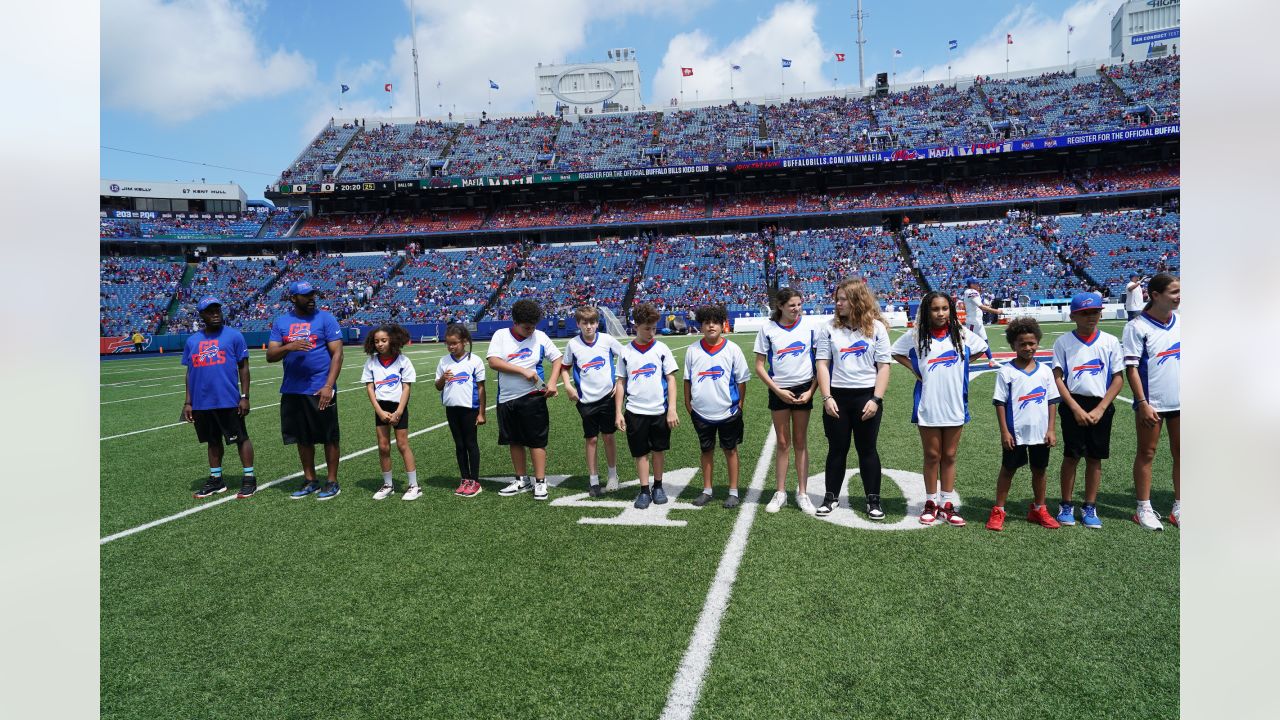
(1148, 416)
(1082, 417)
(530, 375)
(1051, 439)
(870, 409)
(804, 397)
(384, 416)
(480, 419)
(550, 391)
(1006, 439)
(621, 422)
(570, 393)
(448, 376)
(831, 407)
(393, 418)
(672, 419)
(1095, 415)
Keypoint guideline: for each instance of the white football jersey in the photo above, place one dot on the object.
(1028, 397)
(972, 298)
(644, 371)
(464, 389)
(942, 392)
(853, 355)
(788, 351)
(1133, 301)
(714, 378)
(1087, 367)
(1156, 350)
(526, 353)
(388, 380)
(592, 366)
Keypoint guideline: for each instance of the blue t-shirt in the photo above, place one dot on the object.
(306, 371)
(215, 374)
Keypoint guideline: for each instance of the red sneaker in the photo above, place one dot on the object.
(1040, 516)
(462, 488)
(951, 514)
(470, 488)
(995, 521)
(930, 514)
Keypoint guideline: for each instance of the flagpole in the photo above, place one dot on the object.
(413, 16)
(1006, 56)
(682, 87)
(1068, 46)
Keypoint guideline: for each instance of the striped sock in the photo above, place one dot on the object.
(215, 472)
(248, 472)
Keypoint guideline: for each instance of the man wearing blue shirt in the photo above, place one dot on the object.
(309, 342)
(217, 383)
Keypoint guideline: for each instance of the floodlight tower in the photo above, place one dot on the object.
(413, 20)
(859, 15)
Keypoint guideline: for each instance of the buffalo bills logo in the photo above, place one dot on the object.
(646, 370)
(946, 360)
(714, 373)
(460, 378)
(208, 354)
(301, 331)
(857, 350)
(389, 381)
(124, 344)
(795, 349)
(594, 363)
(520, 354)
(1173, 353)
(1037, 395)
(1093, 367)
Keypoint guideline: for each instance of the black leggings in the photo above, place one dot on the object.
(462, 424)
(850, 402)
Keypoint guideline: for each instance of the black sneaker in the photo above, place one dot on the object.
(829, 503)
(595, 490)
(702, 499)
(731, 502)
(873, 508)
(212, 486)
(247, 488)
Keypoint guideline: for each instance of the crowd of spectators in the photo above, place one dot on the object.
(322, 152)
(235, 281)
(815, 261)
(1054, 103)
(338, 225)
(445, 220)
(442, 285)
(988, 189)
(1121, 179)
(818, 126)
(722, 132)
(1155, 82)
(135, 293)
(684, 272)
(628, 211)
(1109, 246)
(561, 278)
(753, 204)
(396, 152)
(508, 146)
(607, 141)
(550, 214)
(883, 196)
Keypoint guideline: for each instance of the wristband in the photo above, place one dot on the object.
(877, 400)
(1139, 401)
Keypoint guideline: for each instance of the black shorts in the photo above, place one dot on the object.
(302, 422)
(647, 433)
(776, 403)
(524, 421)
(1018, 456)
(1086, 441)
(390, 407)
(730, 432)
(224, 423)
(1170, 414)
(599, 417)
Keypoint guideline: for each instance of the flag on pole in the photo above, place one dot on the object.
(839, 57)
(437, 84)
(493, 85)
(736, 67)
(345, 88)
(387, 87)
(1071, 29)
(686, 72)
(786, 63)
(897, 53)
(1008, 39)
(952, 44)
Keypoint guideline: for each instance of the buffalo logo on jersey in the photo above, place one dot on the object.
(946, 359)
(646, 370)
(1173, 353)
(1093, 367)
(520, 354)
(594, 363)
(208, 354)
(857, 350)
(389, 381)
(794, 349)
(462, 377)
(1037, 395)
(301, 331)
(713, 373)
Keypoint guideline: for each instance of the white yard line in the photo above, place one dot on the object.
(175, 392)
(687, 685)
(230, 497)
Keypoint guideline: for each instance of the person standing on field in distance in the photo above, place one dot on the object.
(217, 383)
(1153, 360)
(1133, 296)
(784, 351)
(309, 342)
(715, 384)
(516, 355)
(592, 358)
(138, 340)
(853, 376)
(973, 309)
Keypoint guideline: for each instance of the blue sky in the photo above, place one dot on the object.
(244, 84)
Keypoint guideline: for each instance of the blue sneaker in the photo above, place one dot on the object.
(306, 490)
(1066, 514)
(330, 491)
(643, 500)
(1091, 519)
(659, 496)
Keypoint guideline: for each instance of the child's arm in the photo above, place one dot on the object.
(1147, 415)
(688, 396)
(1113, 390)
(762, 372)
(1051, 438)
(905, 362)
(483, 403)
(243, 407)
(823, 377)
(672, 418)
(502, 366)
(378, 412)
(1082, 417)
(619, 392)
(570, 390)
(1006, 437)
(444, 379)
(876, 402)
(742, 396)
(404, 401)
(557, 366)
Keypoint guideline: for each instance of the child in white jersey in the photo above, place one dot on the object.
(388, 376)
(644, 407)
(1153, 359)
(938, 352)
(784, 351)
(591, 359)
(1024, 397)
(460, 380)
(715, 382)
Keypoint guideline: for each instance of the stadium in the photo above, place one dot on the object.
(1039, 184)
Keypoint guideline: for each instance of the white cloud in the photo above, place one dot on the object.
(788, 32)
(178, 60)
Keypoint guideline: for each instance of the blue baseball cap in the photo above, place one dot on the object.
(971, 280)
(301, 287)
(206, 301)
(1086, 301)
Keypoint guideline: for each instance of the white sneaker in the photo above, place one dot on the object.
(775, 504)
(612, 485)
(413, 493)
(1148, 519)
(539, 489)
(515, 488)
(384, 492)
(1175, 515)
(804, 503)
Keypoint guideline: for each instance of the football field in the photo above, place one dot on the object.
(494, 607)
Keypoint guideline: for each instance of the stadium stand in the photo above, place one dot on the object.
(767, 204)
(725, 132)
(343, 284)
(610, 141)
(552, 214)
(279, 222)
(442, 285)
(1153, 82)
(235, 281)
(323, 151)
(395, 152)
(1143, 177)
(134, 293)
(502, 147)
(1044, 185)
(338, 225)
(822, 126)
(1109, 246)
(429, 222)
(684, 272)
(563, 277)
(883, 196)
(814, 261)
(627, 211)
